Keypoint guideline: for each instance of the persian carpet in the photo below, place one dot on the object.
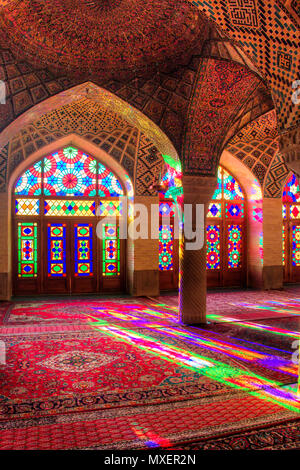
(142, 427)
(282, 437)
(246, 305)
(122, 373)
(58, 373)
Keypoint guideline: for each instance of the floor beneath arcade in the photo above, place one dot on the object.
(121, 372)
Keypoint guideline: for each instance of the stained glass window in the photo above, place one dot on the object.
(214, 210)
(111, 250)
(27, 250)
(30, 183)
(213, 247)
(166, 241)
(218, 192)
(234, 246)
(111, 208)
(83, 235)
(228, 189)
(295, 212)
(27, 207)
(56, 250)
(69, 172)
(290, 232)
(234, 210)
(69, 208)
(291, 191)
(108, 184)
(284, 211)
(296, 245)
(231, 188)
(167, 208)
(227, 206)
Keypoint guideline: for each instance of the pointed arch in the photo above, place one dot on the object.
(104, 98)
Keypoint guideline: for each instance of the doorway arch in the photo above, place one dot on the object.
(226, 237)
(57, 204)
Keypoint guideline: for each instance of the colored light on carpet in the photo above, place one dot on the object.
(223, 347)
(122, 322)
(234, 377)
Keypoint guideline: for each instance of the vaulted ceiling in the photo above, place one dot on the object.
(198, 69)
(118, 39)
(107, 38)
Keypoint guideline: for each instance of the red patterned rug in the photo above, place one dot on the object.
(124, 374)
(245, 305)
(282, 437)
(143, 427)
(58, 373)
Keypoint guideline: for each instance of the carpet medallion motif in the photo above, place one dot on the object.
(120, 373)
(76, 361)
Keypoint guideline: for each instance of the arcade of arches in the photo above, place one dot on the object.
(114, 116)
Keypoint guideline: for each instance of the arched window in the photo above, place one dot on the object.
(225, 232)
(225, 235)
(291, 230)
(55, 217)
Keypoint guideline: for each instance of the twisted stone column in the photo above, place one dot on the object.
(192, 293)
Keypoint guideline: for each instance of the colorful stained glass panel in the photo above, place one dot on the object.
(231, 188)
(111, 250)
(27, 250)
(234, 246)
(56, 250)
(167, 208)
(284, 211)
(30, 183)
(166, 246)
(218, 192)
(296, 245)
(69, 208)
(83, 236)
(111, 208)
(213, 247)
(295, 212)
(70, 172)
(234, 210)
(108, 184)
(214, 210)
(283, 244)
(27, 207)
(291, 191)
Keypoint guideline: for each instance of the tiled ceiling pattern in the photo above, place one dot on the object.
(164, 98)
(221, 90)
(267, 30)
(111, 38)
(256, 145)
(103, 128)
(258, 104)
(63, 32)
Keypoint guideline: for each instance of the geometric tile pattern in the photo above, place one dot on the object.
(265, 30)
(269, 33)
(276, 177)
(222, 87)
(108, 38)
(256, 145)
(161, 96)
(103, 128)
(149, 167)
